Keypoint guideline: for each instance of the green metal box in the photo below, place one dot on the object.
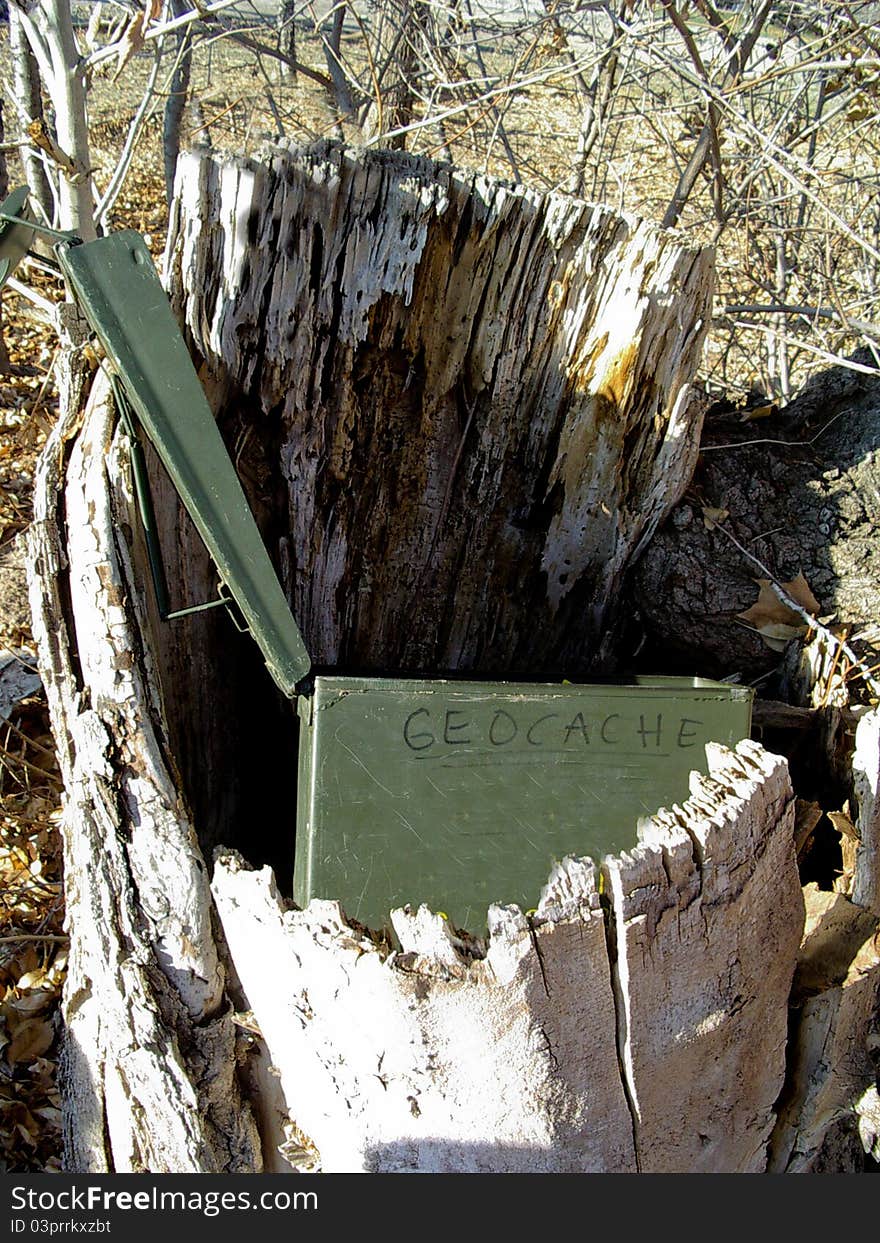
(460, 794)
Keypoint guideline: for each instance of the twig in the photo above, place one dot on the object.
(813, 622)
(864, 326)
(802, 344)
(742, 444)
(45, 306)
(58, 937)
(145, 110)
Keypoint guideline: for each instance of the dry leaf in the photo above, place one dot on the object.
(760, 412)
(799, 590)
(31, 1040)
(712, 517)
(807, 816)
(130, 41)
(32, 979)
(774, 620)
(34, 1002)
(50, 1114)
(844, 824)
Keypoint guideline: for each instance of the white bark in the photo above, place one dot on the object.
(866, 780)
(707, 919)
(49, 29)
(638, 1021)
(149, 1045)
(427, 1058)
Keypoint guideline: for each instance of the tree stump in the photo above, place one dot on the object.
(459, 409)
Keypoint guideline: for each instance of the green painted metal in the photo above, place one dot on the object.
(16, 232)
(119, 291)
(460, 794)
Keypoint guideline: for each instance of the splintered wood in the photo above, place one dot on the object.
(480, 395)
(649, 1038)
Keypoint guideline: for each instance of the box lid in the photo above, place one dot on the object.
(120, 293)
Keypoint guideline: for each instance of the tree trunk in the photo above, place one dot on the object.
(798, 492)
(621, 1034)
(555, 389)
(29, 105)
(50, 31)
(459, 410)
(178, 93)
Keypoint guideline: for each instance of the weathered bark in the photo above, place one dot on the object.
(638, 1019)
(800, 491)
(29, 106)
(178, 93)
(149, 1056)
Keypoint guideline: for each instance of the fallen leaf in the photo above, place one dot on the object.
(799, 590)
(760, 412)
(773, 619)
(32, 979)
(49, 1113)
(33, 1003)
(31, 1040)
(712, 517)
(768, 609)
(844, 824)
(777, 635)
(807, 816)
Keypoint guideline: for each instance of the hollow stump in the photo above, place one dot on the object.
(459, 410)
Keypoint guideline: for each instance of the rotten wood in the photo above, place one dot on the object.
(478, 396)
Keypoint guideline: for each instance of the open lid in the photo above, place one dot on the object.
(119, 292)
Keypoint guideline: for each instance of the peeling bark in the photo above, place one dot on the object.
(149, 1066)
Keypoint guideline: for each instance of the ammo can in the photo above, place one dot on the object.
(460, 794)
(453, 793)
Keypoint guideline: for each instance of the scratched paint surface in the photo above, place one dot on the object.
(460, 794)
